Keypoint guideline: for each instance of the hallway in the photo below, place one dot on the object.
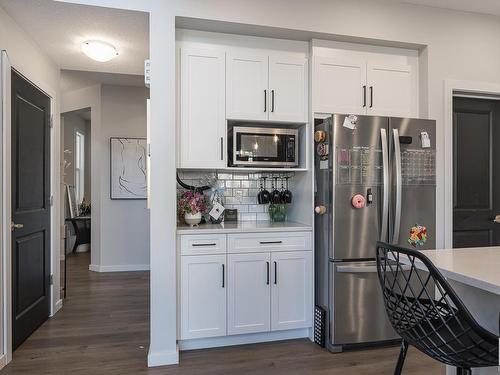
(103, 328)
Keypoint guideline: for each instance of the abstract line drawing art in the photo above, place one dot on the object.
(128, 168)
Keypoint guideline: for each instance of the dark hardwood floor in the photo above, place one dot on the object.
(103, 328)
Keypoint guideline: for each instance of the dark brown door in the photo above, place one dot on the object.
(476, 170)
(30, 208)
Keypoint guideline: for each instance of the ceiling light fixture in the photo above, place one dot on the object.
(99, 51)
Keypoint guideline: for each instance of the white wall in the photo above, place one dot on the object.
(120, 228)
(26, 57)
(462, 46)
(124, 223)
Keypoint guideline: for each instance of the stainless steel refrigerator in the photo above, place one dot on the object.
(375, 180)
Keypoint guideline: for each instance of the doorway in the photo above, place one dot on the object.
(75, 191)
(31, 201)
(476, 171)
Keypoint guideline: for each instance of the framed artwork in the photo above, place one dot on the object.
(73, 209)
(128, 168)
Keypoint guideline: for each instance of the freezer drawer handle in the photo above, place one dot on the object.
(365, 269)
(270, 242)
(203, 244)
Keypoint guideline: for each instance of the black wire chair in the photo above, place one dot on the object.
(427, 313)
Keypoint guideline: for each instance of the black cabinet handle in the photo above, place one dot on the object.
(364, 96)
(270, 242)
(275, 273)
(265, 100)
(272, 100)
(267, 276)
(221, 148)
(223, 275)
(371, 96)
(203, 244)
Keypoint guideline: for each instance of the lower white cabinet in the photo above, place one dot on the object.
(291, 291)
(244, 293)
(203, 296)
(249, 296)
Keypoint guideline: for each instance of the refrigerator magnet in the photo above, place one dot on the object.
(418, 235)
(358, 201)
(350, 122)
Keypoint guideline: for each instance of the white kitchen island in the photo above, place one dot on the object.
(474, 273)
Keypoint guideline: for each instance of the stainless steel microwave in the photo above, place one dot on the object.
(264, 147)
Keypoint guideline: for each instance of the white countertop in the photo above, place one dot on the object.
(477, 267)
(244, 226)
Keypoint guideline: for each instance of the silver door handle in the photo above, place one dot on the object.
(16, 226)
(366, 268)
(399, 183)
(385, 204)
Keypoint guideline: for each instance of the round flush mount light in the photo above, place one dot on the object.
(98, 50)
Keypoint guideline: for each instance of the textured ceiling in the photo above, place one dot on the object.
(478, 6)
(59, 29)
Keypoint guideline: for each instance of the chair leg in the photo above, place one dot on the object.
(401, 358)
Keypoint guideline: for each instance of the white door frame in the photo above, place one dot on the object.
(5, 203)
(468, 89)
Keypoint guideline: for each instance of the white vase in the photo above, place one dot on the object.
(192, 219)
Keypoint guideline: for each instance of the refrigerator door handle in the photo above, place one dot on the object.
(367, 268)
(385, 204)
(399, 187)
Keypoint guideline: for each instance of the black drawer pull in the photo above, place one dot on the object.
(270, 242)
(203, 244)
(275, 273)
(267, 278)
(223, 276)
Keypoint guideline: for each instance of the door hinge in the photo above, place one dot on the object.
(51, 200)
(51, 280)
(51, 122)
(147, 73)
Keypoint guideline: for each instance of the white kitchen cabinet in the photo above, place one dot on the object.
(261, 86)
(249, 299)
(288, 88)
(389, 90)
(357, 86)
(202, 130)
(291, 290)
(247, 85)
(203, 296)
(339, 86)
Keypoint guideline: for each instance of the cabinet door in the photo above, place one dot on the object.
(249, 299)
(390, 90)
(288, 88)
(291, 290)
(202, 119)
(247, 86)
(203, 296)
(339, 86)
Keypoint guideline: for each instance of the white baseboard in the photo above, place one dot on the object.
(119, 268)
(163, 358)
(214, 342)
(59, 305)
(3, 361)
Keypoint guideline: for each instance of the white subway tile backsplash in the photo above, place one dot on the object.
(240, 191)
(233, 184)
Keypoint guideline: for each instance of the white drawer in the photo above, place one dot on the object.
(276, 241)
(199, 244)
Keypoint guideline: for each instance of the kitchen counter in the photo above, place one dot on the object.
(474, 274)
(244, 227)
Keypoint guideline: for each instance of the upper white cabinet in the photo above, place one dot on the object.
(247, 85)
(263, 86)
(389, 89)
(339, 86)
(202, 130)
(288, 88)
(203, 296)
(378, 84)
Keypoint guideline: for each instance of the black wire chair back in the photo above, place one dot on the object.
(426, 312)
